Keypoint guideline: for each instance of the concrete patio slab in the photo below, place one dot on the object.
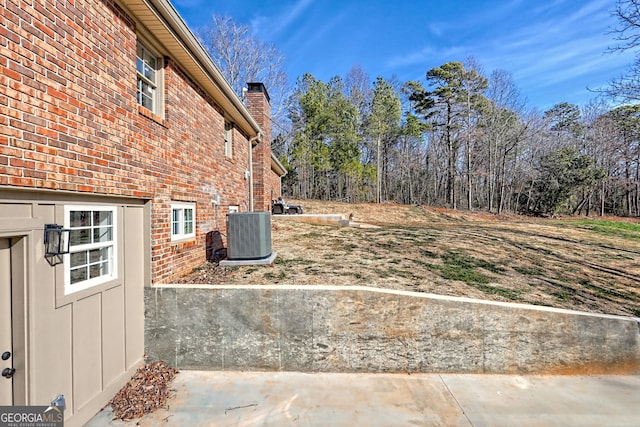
(504, 400)
(212, 398)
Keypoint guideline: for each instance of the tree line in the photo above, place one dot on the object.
(460, 139)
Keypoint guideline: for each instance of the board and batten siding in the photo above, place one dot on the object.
(85, 345)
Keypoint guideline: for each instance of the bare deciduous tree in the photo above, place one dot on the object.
(626, 87)
(243, 58)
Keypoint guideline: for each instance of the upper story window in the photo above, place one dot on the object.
(92, 246)
(149, 79)
(183, 221)
(228, 139)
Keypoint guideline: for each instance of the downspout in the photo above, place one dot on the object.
(258, 138)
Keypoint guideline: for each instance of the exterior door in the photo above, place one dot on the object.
(6, 325)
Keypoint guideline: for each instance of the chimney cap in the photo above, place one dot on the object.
(258, 87)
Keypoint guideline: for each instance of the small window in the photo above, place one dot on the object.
(92, 247)
(183, 221)
(228, 139)
(148, 79)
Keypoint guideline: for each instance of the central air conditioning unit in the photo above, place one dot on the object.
(248, 235)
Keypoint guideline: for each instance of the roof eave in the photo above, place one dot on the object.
(165, 24)
(277, 167)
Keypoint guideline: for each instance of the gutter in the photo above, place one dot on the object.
(280, 169)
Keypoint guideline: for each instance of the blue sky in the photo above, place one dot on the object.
(554, 49)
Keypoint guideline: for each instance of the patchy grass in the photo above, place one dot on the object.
(583, 264)
(250, 270)
(292, 262)
(510, 294)
(529, 270)
(459, 259)
(624, 230)
(562, 295)
(458, 266)
(457, 272)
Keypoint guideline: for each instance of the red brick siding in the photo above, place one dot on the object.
(260, 109)
(273, 185)
(69, 121)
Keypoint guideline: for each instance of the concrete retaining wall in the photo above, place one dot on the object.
(355, 329)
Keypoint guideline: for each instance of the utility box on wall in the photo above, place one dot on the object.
(248, 235)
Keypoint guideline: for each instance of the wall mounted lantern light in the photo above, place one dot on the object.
(56, 243)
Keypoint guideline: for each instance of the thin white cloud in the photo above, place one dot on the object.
(555, 47)
(444, 31)
(589, 10)
(561, 50)
(305, 43)
(552, 45)
(273, 26)
(411, 58)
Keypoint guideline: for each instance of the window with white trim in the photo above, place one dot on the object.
(228, 139)
(92, 258)
(148, 71)
(183, 221)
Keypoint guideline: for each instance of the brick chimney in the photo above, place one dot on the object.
(260, 108)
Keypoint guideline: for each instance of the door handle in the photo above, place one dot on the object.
(8, 372)
(6, 355)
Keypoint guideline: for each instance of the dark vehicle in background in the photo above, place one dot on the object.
(280, 207)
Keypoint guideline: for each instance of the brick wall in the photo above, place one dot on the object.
(69, 121)
(260, 109)
(273, 185)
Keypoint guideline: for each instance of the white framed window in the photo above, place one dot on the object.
(183, 221)
(92, 258)
(228, 139)
(149, 79)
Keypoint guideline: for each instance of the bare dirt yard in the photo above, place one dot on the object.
(588, 264)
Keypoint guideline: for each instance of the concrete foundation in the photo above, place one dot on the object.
(355, 329)
(237, 262)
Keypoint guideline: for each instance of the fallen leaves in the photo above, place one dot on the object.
(207, 273)
(147, 391)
